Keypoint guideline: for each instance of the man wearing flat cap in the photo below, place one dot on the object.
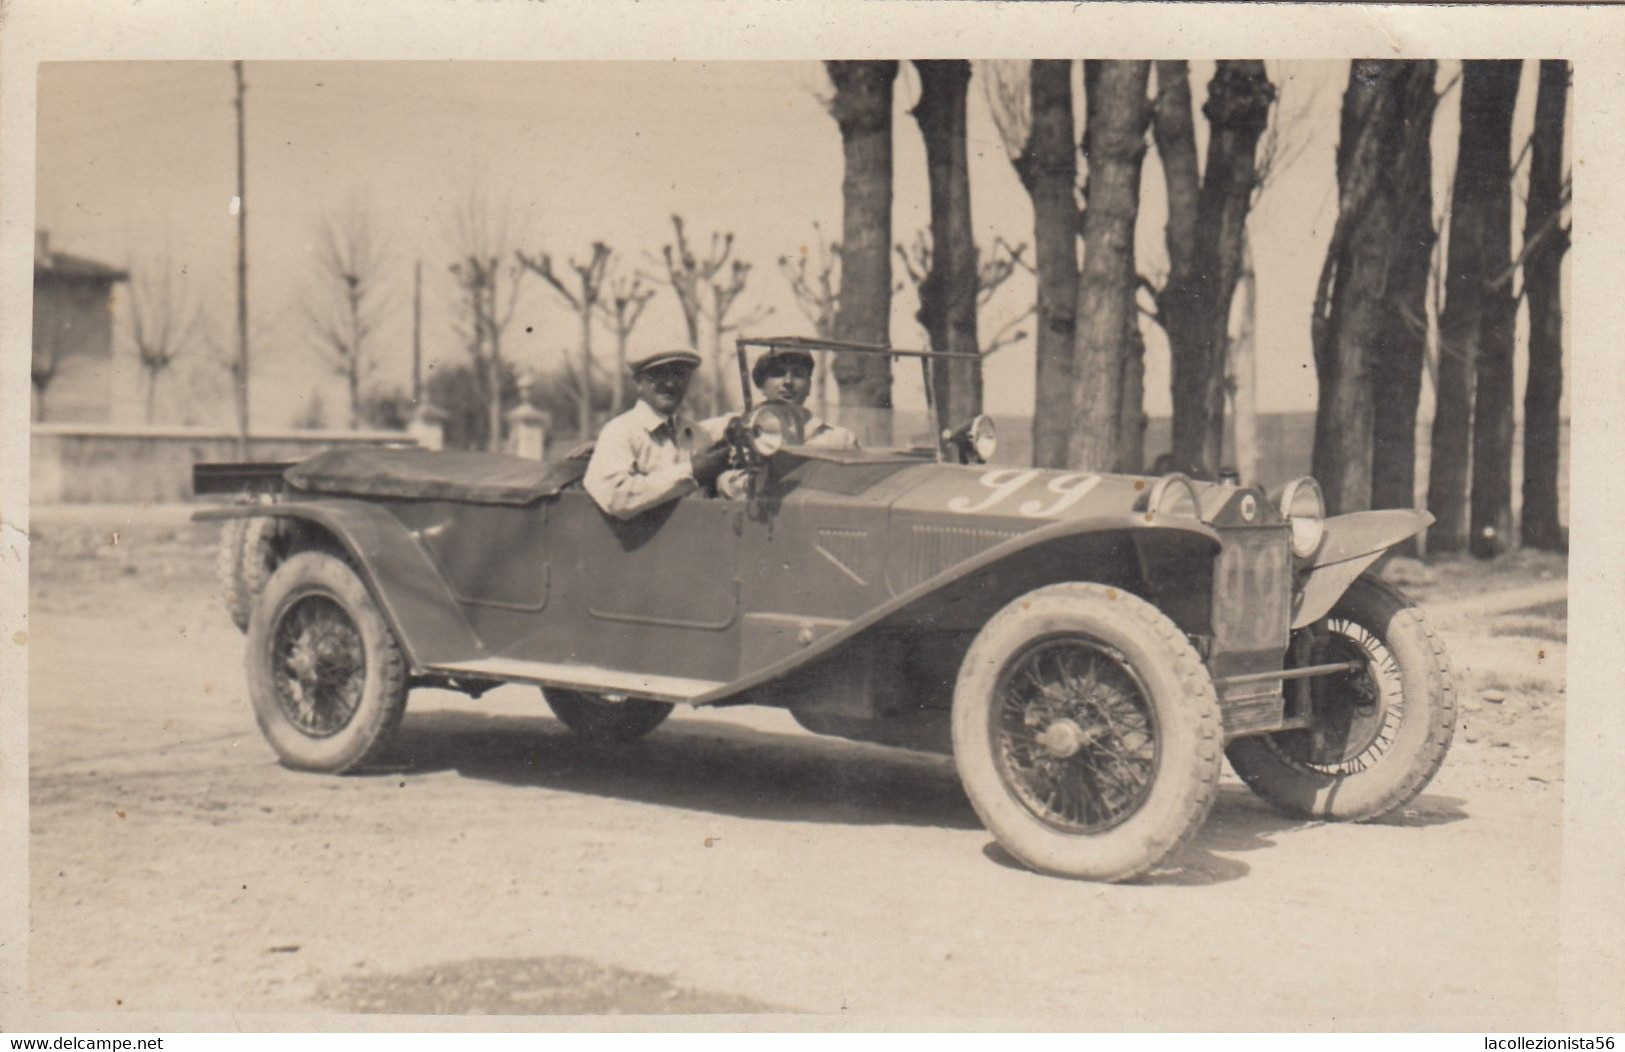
(651, 453)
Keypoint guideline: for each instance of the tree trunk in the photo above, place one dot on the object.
(1350, 301)
(1199, 291)
(1048, 167)
(1480, 215)
(1491, 509)
(584, 418)
(1131, 421)
(1542, 282)
(152, 395)
(1174, 129)
(621, 337)
(862, 108)
(353, 377)
(948, 294)
(1118, 114)
(1244, 374)
(1397, 376)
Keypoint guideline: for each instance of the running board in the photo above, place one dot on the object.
(583, 677)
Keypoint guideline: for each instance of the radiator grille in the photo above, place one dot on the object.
(1252, 590)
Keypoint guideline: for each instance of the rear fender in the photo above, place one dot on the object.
(1352, 543)
(421, 610)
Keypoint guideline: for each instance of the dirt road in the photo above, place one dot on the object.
(731, 862)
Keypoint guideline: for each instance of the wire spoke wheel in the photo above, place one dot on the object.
(1377, 734)
(1075, 737)
(1357, 714)
(320, 666)
(1086, 732)
(325, 675)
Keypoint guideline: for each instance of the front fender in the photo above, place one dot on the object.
(425, 616)
(1351, 544)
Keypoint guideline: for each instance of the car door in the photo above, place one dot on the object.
(661, 592)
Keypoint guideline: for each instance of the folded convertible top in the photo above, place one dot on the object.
(422, 474)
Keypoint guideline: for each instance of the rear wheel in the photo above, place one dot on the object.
(325, 675)
(1379, 734)
(596, 720)
(1086, 732)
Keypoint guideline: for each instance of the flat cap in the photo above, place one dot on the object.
(682, 356)
(777, 356)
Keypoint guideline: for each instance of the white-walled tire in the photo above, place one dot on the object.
(326, 678)
(1381, 733)
(1086, 732)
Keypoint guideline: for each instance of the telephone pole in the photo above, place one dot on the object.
(242, 273)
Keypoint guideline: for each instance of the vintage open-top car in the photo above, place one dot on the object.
(1085, 645)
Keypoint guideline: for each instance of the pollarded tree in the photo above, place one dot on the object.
(862, 108)
(708, 288)
(582, 297)
(620, 310)
(815, 279)
(163, 319)
(488, 283)
(351, 262)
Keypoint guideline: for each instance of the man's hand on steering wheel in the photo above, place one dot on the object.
(711, 462)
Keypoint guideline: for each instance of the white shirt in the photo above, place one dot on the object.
(642, 460)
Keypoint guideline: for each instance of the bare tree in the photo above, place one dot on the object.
(1207, 218)
(488, 281)
(815, 279)
(862, 107)
(620, 310)
(708, 289)
(1033, 111)
(1545, 239)
(1118, 115)
(1477, 317)
(351, 261)
(584, 300)
(163, 320)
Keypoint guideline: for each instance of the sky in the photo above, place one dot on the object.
(136, 166)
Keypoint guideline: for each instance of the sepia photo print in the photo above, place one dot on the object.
(810, 536)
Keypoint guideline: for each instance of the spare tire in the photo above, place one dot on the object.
(248, 555)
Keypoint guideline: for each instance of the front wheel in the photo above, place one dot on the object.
(1086, 732)
(325, 675)
(605, 722)
(1378, 734)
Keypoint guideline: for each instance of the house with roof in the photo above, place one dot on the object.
(73, 335)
